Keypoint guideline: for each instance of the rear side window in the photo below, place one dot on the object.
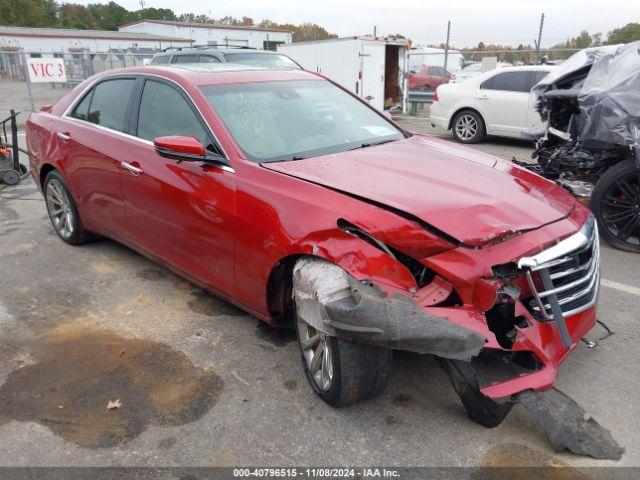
(185, 59)
(161, 59)
(107, 104)
(208, 59)
(164, 111)
(508, 82)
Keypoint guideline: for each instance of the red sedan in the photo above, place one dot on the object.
(292, 198)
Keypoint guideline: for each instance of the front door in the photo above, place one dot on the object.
(181, 212)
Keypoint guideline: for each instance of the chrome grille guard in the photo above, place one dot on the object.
(570, 276)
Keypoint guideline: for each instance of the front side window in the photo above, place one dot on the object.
(164, 111)
(508, 82)
(262, 60)
(536, 77)
(106, 104)
(290, 120)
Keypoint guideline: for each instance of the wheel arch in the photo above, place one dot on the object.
(44, 171)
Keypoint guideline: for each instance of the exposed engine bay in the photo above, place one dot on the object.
(592, 106)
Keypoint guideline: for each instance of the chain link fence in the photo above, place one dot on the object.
(21, 95)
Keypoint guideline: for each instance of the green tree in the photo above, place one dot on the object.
(583, 40)
(109, 16)
(629, 33)
(28, 13)
(72, 15)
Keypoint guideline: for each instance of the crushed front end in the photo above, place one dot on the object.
(522, 298)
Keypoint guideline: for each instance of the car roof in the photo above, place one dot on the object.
(201, 74)
(521, 68)
(216, 50)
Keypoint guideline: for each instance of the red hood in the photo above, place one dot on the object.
(471, 196)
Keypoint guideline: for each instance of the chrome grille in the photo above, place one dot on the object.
(565, 278)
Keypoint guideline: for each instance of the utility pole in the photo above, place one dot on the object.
(537, 42)
(375, 31)
(446, 52)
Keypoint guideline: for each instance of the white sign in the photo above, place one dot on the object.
(42, 70)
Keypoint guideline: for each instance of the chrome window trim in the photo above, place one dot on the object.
(72, 105)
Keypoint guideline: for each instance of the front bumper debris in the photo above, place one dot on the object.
(335, 303)
(565, 423)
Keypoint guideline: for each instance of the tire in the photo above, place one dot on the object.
(62, 210)
(615, 202)
(468, 127)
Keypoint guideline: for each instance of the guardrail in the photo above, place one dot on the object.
(415, 98)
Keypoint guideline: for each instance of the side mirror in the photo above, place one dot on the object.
(180, 147)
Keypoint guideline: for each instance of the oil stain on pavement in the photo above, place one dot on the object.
(77, 372)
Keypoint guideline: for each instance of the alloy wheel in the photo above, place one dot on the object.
(59, 207)
(317, 353)
(466, 126)
(620, 210)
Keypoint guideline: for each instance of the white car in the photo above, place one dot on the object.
(498, 102)
(474, 70)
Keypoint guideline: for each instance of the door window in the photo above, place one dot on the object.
(185, 59)
(208, 59)
(107, 104)
(164, 111)
(536, 77)
(508, 82)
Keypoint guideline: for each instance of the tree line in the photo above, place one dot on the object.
(109, 16)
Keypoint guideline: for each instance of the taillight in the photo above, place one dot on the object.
(435, 96)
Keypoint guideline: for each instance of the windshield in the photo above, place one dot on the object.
(262, 60)
(291, 120)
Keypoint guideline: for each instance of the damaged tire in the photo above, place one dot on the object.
(340, 371)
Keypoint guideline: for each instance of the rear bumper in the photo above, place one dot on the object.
(439, 117)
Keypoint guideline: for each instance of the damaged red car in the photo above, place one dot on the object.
(288, 196)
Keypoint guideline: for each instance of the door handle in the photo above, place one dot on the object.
(131, 168)
(63, 136)
(483, 97)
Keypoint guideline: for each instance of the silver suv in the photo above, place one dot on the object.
(206, 54)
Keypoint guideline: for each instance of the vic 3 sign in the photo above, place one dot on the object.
(46, 70)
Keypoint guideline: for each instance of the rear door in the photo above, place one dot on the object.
(93, 136)
(181, 212)
(503, 101)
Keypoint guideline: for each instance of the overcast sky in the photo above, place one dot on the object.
(490, 21)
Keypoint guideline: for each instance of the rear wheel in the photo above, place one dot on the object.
(62, 210)
(468, 127)
(615, 201)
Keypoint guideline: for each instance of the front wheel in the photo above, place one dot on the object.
(468, 127)
(342, 372)
(615, 202)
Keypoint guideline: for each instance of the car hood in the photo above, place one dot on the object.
(473, 197)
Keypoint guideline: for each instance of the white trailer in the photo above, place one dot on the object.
(369, 67)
